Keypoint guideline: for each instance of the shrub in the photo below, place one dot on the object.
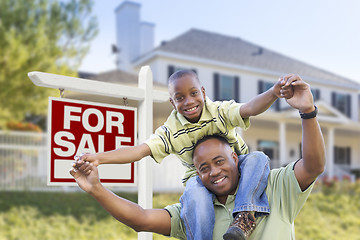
(23, 126)
(331, 212)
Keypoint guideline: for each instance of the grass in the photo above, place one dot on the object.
(331, 212)
(59, 215)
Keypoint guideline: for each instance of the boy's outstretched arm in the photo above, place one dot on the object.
(127, 212)
(121, 155)
(263, 101)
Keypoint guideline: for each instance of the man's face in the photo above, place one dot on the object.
(216, 165)
(187, 97)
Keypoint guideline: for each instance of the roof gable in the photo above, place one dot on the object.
(326, 113)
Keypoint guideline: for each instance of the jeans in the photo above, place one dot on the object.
(197, 209)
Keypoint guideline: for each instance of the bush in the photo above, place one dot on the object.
(331, 212)
(23, 126)
(61, 216)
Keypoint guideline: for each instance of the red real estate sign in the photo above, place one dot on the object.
(76, 127)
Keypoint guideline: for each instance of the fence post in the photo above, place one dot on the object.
(145, 116)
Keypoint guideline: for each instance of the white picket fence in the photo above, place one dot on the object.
(24, 159)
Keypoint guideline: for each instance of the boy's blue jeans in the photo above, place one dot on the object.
(197, 209)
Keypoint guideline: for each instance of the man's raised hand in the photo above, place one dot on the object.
(302, 98)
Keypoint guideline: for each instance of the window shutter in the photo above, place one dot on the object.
(277, 105)
(260, 86)
(318, 94)
(348, 105)
(171, 70)
(216, 86)
(237, 86)
(348, 155)
(333, 99)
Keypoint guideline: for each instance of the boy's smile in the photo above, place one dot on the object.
(191, 110)
(187, 97)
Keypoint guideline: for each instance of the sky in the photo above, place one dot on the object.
(323, 33)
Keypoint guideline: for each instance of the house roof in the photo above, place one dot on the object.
(115, 76)
(233, 50)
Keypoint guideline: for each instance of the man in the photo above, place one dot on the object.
(287, 189)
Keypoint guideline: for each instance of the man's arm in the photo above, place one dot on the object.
(263, 101)
(127, 212)
(312, 163)
(121, 155)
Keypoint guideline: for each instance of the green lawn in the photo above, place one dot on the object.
(332, 212)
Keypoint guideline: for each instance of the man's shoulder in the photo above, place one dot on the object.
(174, 209)
(278, 175)
(287, 168)
(177, 226)
(283, 183)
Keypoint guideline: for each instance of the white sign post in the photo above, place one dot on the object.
(144, 94)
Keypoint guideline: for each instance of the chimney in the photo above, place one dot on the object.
(147, 37)
(134, 38)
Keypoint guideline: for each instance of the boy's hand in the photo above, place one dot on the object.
(86, 175)
(89, 157)
(282, 89)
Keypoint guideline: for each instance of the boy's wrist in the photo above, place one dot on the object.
(99, 159)
(274, 92)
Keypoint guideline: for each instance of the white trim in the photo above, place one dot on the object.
(282, 143)
(50, 80)
(330, 153)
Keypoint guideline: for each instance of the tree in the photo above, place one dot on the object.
(39, 35)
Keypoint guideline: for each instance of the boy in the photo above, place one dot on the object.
(193, 117)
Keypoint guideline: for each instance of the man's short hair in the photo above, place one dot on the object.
(179, 74)
(208, 137)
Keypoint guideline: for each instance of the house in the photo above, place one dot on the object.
(231, 68)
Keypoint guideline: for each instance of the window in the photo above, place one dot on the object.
(226, 87)
(342, 102)
(342, 155)
(172, 69)
(263, 86)
(316, 93)
(270, 148)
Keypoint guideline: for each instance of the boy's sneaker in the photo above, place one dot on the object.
(241, 228)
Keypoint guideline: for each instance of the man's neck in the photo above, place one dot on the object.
(222, 199)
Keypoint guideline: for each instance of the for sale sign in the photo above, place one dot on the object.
(76, 127)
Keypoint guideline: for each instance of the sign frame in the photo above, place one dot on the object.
(69, 181)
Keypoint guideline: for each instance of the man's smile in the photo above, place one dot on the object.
(219, 180)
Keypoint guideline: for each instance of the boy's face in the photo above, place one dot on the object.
(216, 165)
(187, 97)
